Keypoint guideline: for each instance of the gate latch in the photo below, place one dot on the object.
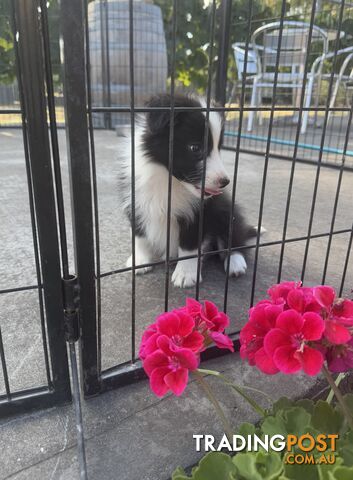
(71, 294)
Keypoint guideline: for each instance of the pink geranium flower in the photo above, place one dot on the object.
(211, 322)
(148, 341)
(179, 328)
(278, 293)
(338, 314)
(288, 345)
(168, 370)
(340, 357)
(262, 319)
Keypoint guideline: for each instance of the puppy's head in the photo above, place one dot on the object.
(188, 143)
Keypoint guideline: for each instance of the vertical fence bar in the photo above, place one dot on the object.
(237, 154)
(267, 153)
(223, 51)
(207, 122)
(4, 368)
(31, 63)
(337, 196)
(322, 144)
(31, 201)
(95, 194)
(133, 213)
(345, 268)
(72, 24)
(171, 152)
(296, 143)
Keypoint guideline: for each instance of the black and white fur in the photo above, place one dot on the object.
(151, 190)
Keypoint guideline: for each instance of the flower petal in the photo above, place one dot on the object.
(290, 322)
(324, 295)
(265, 363)
(193, 307)
(168, 324)
(177, 380)
(186, 324)
(210, 309)
(336, 333)
(285, 360)
(165, 344)
(194, 341)
(222, 341)
(313, 327)
(155, 360)
(274, 339)
(149, 346)
(295, 300)
(311, 360)
(343, 308)
(187, 359)
(157, 381)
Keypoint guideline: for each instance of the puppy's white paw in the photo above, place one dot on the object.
(139, 261)
(185, 274)
(237, 265)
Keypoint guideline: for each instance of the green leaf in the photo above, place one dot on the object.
(297, 420)
(348, 398)
(326, 419)
(307, 404)
(274, 425)
(258, 466)
(301, 471)
(341, 473)
(179, 474)
(325, 470)
(282, 404)
(215, 465)
(345, 449)
(246, 429)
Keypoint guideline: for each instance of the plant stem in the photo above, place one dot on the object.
(210, 395)
(338, 395)
(337, 382)
(239, 390)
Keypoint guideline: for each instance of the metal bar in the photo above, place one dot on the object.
(31, 206)
(95, 193)
(33, 399)
(133, 211)
(323, 136)
(4, 368)
(267, 153)
(296, 144)
(337, 196)
(171, 157)
(78, 412)
(205, 146)
(225, 250)
(31, 63)
(54, 138)
(20, 289)
(72, 24)
(307, 161)
(218, 109)
(236, 160)
(107, 49)
(345, 268)
(222, 62)
(103, 29)
(127, 373)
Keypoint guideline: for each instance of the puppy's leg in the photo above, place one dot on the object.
(185, 273)
(143, 255)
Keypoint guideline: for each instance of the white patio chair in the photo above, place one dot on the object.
(292, 59)
(239, 51)
(343, 78)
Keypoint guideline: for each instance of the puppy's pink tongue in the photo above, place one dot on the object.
(213, 192)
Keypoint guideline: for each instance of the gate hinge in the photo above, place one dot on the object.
(71, 295)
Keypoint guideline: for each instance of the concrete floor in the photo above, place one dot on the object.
(19, 313)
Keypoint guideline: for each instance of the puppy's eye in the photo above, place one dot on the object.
(194, 148)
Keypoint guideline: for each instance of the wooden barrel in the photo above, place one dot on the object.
(108, 23)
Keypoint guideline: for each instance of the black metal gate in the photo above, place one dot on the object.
(45, 199)
(55, 284)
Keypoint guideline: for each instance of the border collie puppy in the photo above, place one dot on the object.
(151, 190)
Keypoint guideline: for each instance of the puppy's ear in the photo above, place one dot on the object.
(159, 119)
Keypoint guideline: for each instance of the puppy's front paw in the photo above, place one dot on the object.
(138, 261)
(237, 265)
(185, 274)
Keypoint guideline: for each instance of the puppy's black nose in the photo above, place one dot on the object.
(223, 182)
